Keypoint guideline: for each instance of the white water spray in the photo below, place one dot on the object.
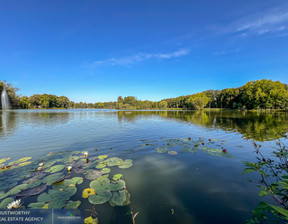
(5, 100)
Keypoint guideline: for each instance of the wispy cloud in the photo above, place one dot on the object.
(140, 57)
(267, 22)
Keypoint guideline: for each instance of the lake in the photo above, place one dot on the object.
(179, 172)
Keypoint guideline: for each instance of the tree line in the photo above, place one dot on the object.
(260, 94)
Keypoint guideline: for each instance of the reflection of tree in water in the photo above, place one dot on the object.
(132, 116)
(258, 126)
(45, 118)
(11, 120)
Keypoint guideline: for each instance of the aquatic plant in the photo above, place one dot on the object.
(52, 187)
(15, 204)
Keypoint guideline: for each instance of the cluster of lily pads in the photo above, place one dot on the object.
(58, 181)
(174, 146)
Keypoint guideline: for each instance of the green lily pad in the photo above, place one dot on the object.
(101, 165)
(57, 168)
(72, 204)
(105, 170)
(117, 185)
(71, 190)
(7, 185)
(51, 162)
(4, 195)
(24, 164)
(101, 157)
(93, 175)
(38, 205)
(161, 149)
(17, 189)
(5, 202)
(114, 161)
(100, 198)
(34, 183)
(127, 164)
(44, 197)
(100, 184)
(56, 204)
(52, 178)
(4, 160)
(24, 159)
(117, 176)
(68, 182)
(120, 198)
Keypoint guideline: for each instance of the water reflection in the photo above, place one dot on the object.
(258, 126)
(7, 122)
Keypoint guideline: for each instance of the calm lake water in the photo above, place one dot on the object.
(194, 186)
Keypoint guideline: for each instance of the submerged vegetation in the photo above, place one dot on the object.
(260, 94)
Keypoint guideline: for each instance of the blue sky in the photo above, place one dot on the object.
(96, 50)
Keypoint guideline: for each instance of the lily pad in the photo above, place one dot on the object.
(101, 157)
(4, 160)
(90, 220)
(117, 185)
(127, 164)
(120, 198)
(44, 197)
(17, 189)
(92, 175)
(105, 170)
(71, 190)
(24, 164)
(114, 161)
(5, 202)
(56, 203)
(161, 149)
(24, 159)
(100, 198)
(68, 182)
(72, 204)
(32, 191)
(7, 185)
(57, 168)
(52, 178)
(117, 176)
(101, 165)
(32, 182)
(88, 192)
(36, 205)
(100, 184)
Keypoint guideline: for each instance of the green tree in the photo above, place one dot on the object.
(34, 101)
(24, 102)
(163, 105)
(198, 101)
(63, 102)
(45, 101)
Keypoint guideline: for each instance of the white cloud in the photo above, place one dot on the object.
(140, 57)
(269, 21)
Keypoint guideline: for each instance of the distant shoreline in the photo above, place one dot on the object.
(168, 109)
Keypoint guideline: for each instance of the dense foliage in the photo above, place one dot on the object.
(260, 94)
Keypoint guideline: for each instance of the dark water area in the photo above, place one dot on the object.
(193, 186)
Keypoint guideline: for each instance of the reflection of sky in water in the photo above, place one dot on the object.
(199, 187)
